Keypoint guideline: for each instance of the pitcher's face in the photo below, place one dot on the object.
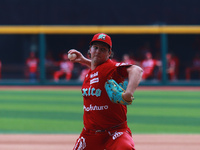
(100, 53)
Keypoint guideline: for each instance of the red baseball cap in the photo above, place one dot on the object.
(102, 37)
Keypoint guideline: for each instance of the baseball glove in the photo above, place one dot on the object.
(115, 90)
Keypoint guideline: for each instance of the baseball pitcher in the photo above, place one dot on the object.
(106, 96)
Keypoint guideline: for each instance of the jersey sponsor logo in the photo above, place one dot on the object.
(80, 144)
(91, 91)
(95, 80)
(94, 74)
(102, 36)
(116, 135)
(92, 108)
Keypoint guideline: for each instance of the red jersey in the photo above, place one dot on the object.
(66, 66)
(171, 64)
(148, 65)
(32, 64)
(99, 111)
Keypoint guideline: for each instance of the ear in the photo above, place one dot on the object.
(110, 52)
(89, 50)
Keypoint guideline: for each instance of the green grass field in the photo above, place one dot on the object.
(60, 111)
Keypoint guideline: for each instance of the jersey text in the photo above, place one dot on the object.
(91, 92)
(91, 108)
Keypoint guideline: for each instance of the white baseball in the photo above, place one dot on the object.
(72, 56)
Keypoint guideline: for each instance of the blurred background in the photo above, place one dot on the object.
(36, 56)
